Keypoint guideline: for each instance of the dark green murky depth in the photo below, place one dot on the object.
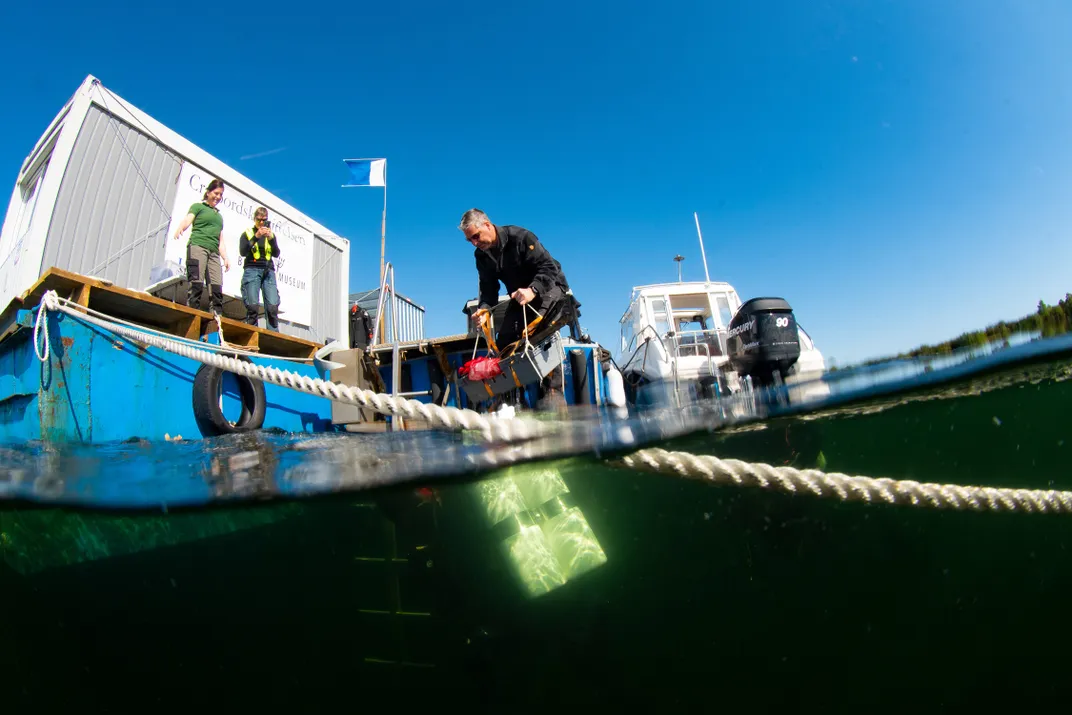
(709, 597)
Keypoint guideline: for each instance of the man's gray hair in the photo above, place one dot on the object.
(473, 217)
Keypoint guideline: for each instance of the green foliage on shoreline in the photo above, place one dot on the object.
(1048, 320)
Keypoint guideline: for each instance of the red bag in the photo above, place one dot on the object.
(481, 368)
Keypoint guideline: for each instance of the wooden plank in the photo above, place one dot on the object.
(82, 295)
(118, 302)
(273, 343)
(142, 309)
(8, 318)
(188, 326)
(366, 427)
(449, 376)
(241, 334)
(13, 306)
(165, 315)
(417, 424)
(373, 373)
(441, 357)
(62, 282)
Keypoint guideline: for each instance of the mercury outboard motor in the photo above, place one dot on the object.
(762, 341)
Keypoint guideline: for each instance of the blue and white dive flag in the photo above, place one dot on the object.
(367, 172)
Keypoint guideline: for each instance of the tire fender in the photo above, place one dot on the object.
(206, 402)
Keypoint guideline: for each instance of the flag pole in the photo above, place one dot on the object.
(383, 245)
(383, 220)
(383, 226)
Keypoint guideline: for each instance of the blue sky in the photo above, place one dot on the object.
(899, 171)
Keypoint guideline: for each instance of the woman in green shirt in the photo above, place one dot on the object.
(206, 248)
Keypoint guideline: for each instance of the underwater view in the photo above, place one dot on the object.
(369, 570)
(703, 357)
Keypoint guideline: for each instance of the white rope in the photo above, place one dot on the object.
(704, 467)
(224, 348)
(219, 329)
(848, 488)
(41, 325)
(506, 430)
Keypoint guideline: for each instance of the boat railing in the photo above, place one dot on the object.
(695, 343)
(636, 338)
(711, 341)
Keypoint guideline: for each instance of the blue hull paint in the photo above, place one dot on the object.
(99, 388)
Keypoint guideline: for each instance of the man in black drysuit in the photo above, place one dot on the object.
(532, 277)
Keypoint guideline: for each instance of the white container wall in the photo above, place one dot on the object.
(104, 188)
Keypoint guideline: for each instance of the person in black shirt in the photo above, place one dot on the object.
(515, 256)
(257, 247)
(533, 279)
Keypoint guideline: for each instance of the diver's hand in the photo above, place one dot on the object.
(524, 295)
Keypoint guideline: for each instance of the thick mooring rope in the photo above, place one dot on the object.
(707, 468)
(845, 487)
(502, 430)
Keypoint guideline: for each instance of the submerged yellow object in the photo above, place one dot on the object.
(544, 534)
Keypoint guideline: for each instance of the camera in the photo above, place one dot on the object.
(267, 223)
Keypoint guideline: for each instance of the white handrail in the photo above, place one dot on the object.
(379, 302)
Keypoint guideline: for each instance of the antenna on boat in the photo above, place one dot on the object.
(703, 255)
(678, 259)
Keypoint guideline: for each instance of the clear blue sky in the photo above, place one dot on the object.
(899, 171)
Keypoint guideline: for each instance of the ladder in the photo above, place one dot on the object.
(395, 618)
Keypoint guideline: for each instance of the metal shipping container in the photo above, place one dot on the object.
(104, 188)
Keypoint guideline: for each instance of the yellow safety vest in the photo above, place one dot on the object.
(254, 245)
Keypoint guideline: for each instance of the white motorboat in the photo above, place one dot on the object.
(698, 340)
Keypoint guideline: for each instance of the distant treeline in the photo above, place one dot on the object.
(1049, 320)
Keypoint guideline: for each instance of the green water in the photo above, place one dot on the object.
(711, 597)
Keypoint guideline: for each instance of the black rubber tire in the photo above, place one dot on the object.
(206, 403)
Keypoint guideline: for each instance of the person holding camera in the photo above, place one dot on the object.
(257, 246)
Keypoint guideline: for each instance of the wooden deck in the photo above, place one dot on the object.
(149, 311)
(8, 317)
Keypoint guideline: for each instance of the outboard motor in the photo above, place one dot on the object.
(763, 340)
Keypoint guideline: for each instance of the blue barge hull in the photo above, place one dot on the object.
(98, 387)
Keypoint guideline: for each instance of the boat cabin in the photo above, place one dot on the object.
(689, 319)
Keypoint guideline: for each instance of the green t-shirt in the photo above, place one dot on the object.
(207, 225)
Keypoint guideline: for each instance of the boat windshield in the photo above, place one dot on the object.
(697, 329)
